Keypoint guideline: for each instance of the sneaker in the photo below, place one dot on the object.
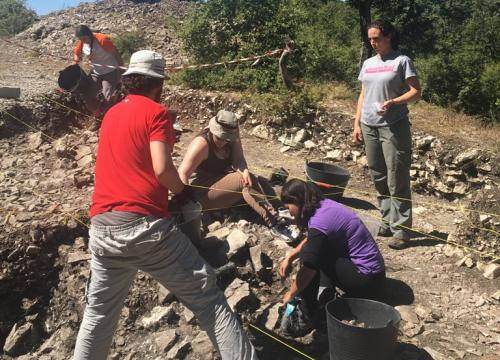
(397, 244)
(284, 213)
(285, 232)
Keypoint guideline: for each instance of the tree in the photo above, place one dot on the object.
(15, 16)
(365, 18)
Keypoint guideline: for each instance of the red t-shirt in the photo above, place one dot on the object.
(124, 176)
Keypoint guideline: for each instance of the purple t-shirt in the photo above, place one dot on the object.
(347, 237)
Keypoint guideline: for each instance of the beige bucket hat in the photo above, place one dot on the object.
(224, 125)
(147, 62)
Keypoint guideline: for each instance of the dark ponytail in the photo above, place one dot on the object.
(386, 28)
(306, 196)
(83, 30)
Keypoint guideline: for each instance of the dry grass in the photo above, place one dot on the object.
(454, 126)
(444, 123)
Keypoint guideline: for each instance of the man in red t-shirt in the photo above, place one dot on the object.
(131, 227)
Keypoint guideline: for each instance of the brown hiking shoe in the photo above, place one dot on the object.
(397, 244)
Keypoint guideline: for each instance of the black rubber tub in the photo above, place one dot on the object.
(74, 79)
(331, 179)
(372, 338)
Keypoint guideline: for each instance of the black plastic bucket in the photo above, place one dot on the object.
(376, 340)
(73, 79)
(332, 179)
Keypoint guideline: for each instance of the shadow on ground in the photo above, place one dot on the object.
(357, 203)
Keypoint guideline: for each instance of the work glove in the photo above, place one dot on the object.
(179, 200)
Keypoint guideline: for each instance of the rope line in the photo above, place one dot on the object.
(168, 69)
(274, 197)
(493, 256)
(267, 54)
(451, 207)
(281, 342)
(26, 124)
(34, 128)
(69, 108)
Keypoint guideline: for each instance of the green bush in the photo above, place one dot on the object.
(223, 30)
(490, 90)
(128, 42)
(15, 17)
(455, 45)
(294, 107)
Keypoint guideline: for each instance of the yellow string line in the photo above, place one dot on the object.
(459, 208)
(400, 226)
(26, 124)
(269, 197)
(69, 108)
(34, 128)
(488, 230)
(352, 208)
(431, 236)
(281, 342)
(274, 197)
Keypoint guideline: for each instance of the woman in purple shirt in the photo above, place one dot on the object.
(338, 250)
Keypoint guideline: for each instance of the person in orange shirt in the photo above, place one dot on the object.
(105, 60)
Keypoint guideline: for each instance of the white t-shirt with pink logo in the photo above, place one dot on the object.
(385, 79)
(98, 56)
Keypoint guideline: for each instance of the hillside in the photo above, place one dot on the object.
(54, 33)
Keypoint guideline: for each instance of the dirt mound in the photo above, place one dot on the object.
(155, 20)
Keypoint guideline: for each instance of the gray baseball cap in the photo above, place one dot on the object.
(147, 62)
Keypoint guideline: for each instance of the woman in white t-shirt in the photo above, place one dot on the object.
(105, 61)
(389, 82)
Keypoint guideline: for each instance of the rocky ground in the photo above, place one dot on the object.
(448, 296)
(154, 20)
(449, 307)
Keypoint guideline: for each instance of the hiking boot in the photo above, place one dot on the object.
(397, 244)
(285, 232)
(225, 274)
(384, 232)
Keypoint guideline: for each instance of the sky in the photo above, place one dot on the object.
(43, 7)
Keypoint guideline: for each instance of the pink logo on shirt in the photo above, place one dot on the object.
(379, 69)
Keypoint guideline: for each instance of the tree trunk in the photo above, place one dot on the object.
(365, 19)
(287, 81)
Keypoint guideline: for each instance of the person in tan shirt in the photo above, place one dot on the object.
(105, 61)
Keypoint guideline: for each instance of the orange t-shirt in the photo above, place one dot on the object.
(103, 40)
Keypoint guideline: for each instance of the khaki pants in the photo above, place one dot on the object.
(388, 151)
(154, 246)
(227, 190)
